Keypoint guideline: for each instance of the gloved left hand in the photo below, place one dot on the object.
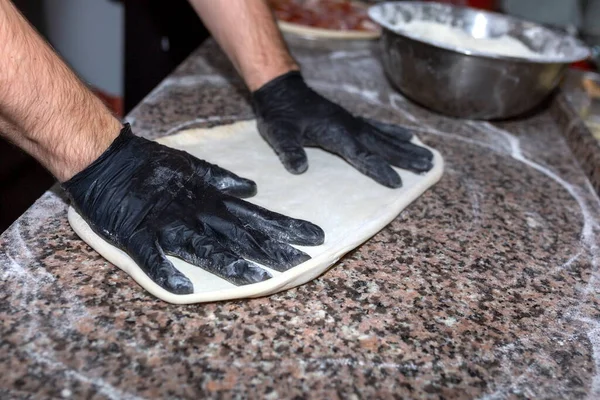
(291, 115)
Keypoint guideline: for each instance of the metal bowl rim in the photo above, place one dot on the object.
(580, 47)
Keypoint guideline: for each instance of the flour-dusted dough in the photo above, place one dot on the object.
(348, 206)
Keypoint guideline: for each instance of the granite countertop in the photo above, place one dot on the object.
(486, 287)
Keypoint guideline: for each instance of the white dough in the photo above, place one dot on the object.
(348, 206)
(455, 37)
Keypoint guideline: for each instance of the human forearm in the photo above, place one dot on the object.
(44, 108)
(248, 34)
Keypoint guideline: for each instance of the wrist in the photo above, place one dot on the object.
(84, 148)
(282, 91)
(107, 159)
(261, 76)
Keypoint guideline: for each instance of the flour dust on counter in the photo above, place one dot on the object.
(347, 205)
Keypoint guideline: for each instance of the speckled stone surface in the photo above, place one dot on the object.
(486, 287)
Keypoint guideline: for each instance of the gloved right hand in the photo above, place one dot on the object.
(151, 201)
(291, 116)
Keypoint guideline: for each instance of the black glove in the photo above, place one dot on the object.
(291, 115)
(150, 200)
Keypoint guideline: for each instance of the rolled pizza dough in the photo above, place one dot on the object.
(347, 205)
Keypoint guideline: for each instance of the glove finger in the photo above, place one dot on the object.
(145, 250)
(394, 131)
(204, 251)
(253, 245)
(401, 156)
(411, 149)
(373, 137)
(224, 180)
(357, 155)
(287, 146)
(275, 225)
(417, 166)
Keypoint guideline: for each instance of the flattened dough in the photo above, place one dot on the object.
(348, 206)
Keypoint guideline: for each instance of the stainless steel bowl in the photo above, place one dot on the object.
(466, 83)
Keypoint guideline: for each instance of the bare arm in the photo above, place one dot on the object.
(44, 107)
(248, 34)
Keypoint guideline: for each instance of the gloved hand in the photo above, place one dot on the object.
(291, 115)
(150, 200)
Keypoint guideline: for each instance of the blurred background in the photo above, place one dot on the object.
(123, 49)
